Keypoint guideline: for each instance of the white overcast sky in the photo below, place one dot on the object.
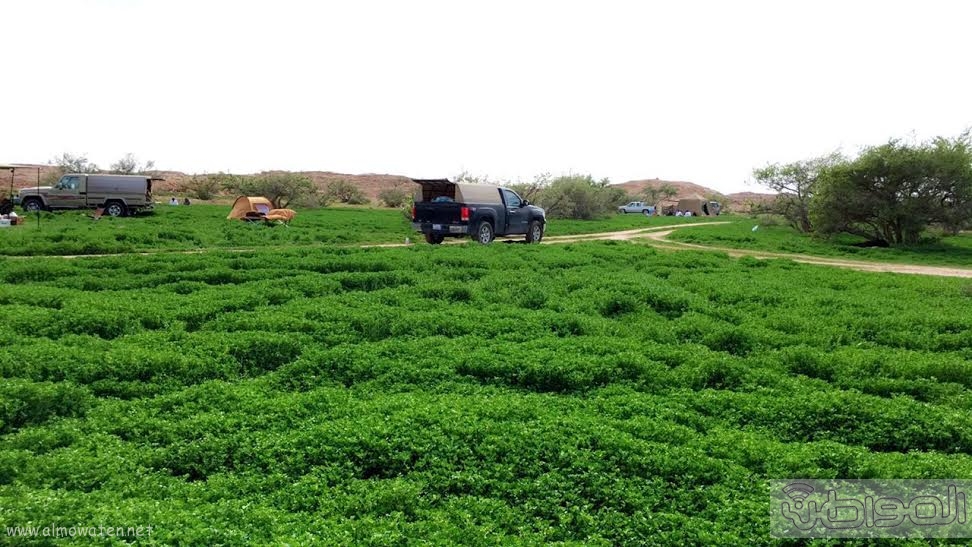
(686, 90)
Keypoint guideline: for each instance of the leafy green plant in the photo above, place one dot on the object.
(597, 392)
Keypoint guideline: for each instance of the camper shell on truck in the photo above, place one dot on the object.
(118, 195)
(482, 211)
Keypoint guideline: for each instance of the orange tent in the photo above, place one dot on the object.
(250, 206)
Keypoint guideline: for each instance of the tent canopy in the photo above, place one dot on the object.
(244, 205)
(697, 204)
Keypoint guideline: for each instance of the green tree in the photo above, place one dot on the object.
(580, 197)
(795, 184)
(201, 187)
(228, 181)
(69, 163)
(345, 191)
(465, 177)
(531, 190)
(282, 189)
(130, 165)
(896, 191)
(652, 193)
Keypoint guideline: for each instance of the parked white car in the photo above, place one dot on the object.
(637, 207)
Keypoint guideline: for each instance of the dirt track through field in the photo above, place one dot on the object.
(658, 239)
(655, 236)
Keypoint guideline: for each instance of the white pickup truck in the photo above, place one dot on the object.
(637, 207)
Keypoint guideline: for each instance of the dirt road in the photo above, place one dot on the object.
(659, 239)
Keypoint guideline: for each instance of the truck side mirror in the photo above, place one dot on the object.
(524, 203)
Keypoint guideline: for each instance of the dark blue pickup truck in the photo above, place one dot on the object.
(448, 209)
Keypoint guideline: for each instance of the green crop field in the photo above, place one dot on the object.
(206, 226)
(590, 393)
(195, 227)
(946, 251)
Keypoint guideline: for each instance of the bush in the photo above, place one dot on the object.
(580, 197)
(894, 192)
(204, 188)
(393, 197)
(406, 207)
(344, 191)
(29, 403)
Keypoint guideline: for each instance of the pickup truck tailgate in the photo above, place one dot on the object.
(439, 213)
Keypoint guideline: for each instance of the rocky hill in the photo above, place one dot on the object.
(372, 184)
(25, 174)
(738, 201)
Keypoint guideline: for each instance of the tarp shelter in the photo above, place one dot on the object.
(697, 204)
(666, 207)
(244, 206)
(281, 215)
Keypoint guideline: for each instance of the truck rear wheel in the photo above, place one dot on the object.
(535, 232)
(32, 205)
(116, 209)
(434, 239)
(484, 232)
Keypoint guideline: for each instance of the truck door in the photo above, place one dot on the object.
(68, 192)
(517, 216)
(100, 188)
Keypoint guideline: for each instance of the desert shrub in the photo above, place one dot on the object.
(580, 197)
(201, 187)
(344, 191)
(393, 197)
